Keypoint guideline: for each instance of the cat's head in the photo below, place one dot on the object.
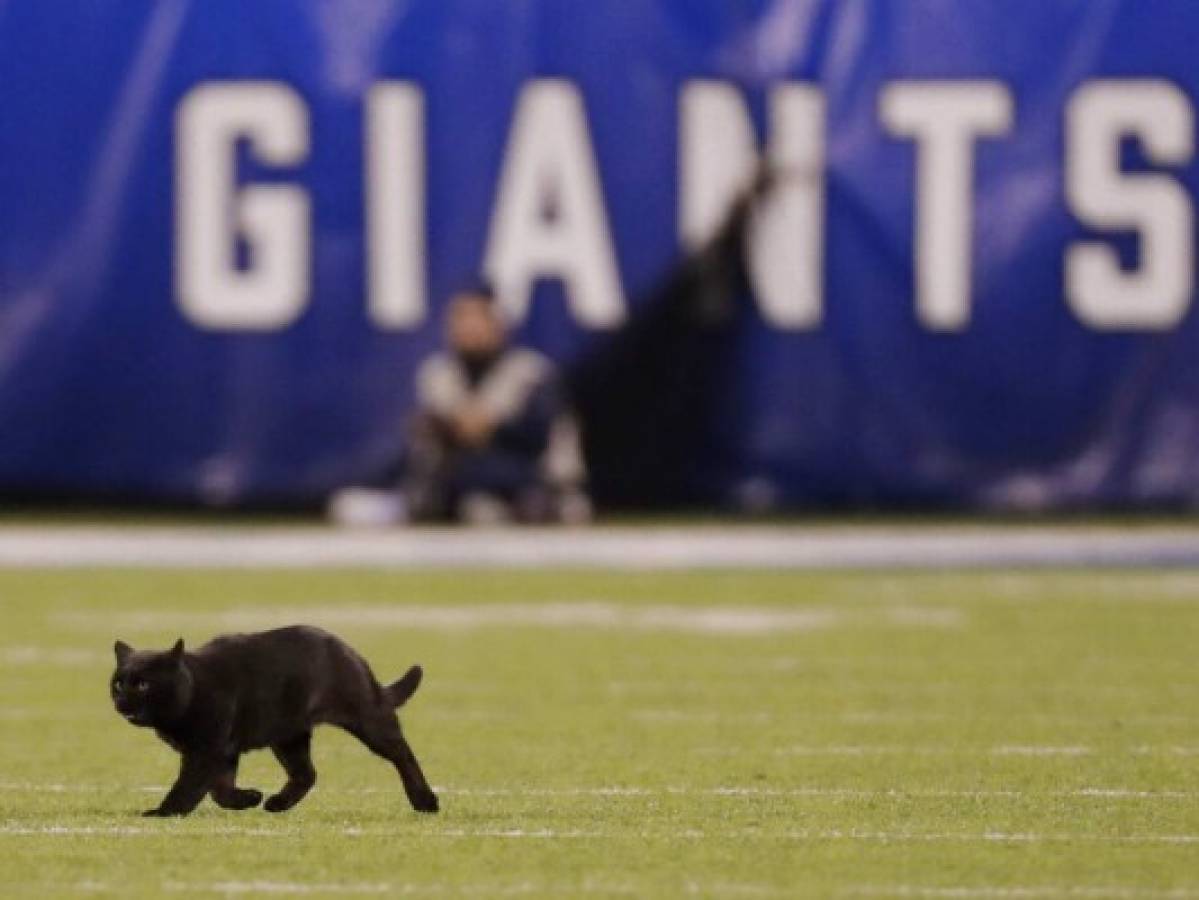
(149, 687)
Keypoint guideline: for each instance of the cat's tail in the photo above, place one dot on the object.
(399, 692)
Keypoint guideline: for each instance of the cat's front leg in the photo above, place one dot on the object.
(196, 774)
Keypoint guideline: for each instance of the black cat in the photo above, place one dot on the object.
(249, 691)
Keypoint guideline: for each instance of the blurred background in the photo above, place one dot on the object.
(764, 256)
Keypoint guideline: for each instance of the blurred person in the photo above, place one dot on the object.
(493, 438)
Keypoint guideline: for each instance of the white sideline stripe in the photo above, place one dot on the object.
(722, 620)
(622, 791)
(280, 887)
(1097, 892)
(615, 547)
(813, 835)
(419, 889)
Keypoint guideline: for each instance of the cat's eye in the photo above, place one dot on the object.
(140, 685)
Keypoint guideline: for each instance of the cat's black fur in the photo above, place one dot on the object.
(248, 691)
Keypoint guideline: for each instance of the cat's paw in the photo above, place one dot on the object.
(278, 804)
(238, 799)
(249, 798)
(160, 813)
(425, 802)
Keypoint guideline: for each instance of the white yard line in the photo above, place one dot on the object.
(720, 889)
(1098, 793)
(732, 791)
(35, 787)
(668, 717)
(866, 750)
(1170, 750)
(1026, 750)
(590, 886)
(24, 713)
(616, 547)
(169, 830)
(989, 837)
(135, 831)
(505, 833)
(984, 892)
(404, 889)
(64, 657)
(897, 686)
(281, 887)
(748, 621)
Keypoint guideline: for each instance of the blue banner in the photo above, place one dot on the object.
(227, 230)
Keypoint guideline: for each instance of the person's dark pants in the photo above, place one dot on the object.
(494, 472)
(439, 475)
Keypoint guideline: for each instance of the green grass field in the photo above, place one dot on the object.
(645, 735)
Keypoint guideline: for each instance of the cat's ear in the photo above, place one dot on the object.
(122, 651)
(177, 650)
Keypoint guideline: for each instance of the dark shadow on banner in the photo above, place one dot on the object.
(646, 396)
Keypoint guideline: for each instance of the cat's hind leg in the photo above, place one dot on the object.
(381, 733)
(295, 756)
(227, 795)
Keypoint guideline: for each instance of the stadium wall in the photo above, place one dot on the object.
(226, 230)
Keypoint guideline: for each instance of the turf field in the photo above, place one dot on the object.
(641, 734)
